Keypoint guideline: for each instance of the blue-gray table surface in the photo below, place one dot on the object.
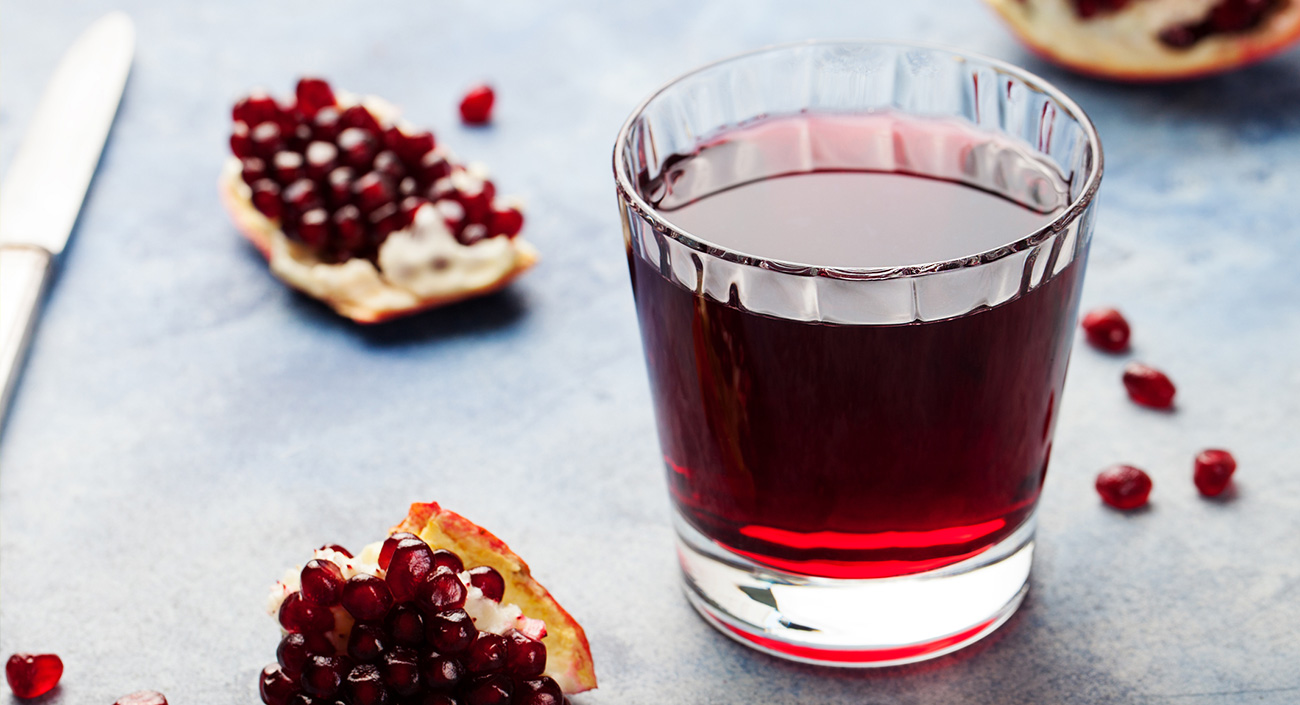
(186, 427)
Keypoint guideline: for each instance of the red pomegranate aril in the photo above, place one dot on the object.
(408, 186)
(507, 221)
(432, 167)
(408, 207)
(336, 548)
(411, 148)
(302, 195)
(1105, 328)
(252, 170)
(389, 164)
(441, 590)
(487, 654)
(1148, 386)
(450, 631)
(367, 643)
(296, 647)
(1213, 471)
(405, 625)
(297, 138)
(487, 579)
(372, 191)
(491, 690)
(322, 158)
(266, 140)
(314, 230)
(453, 214)
(365, 686)
(525, 657)
(288, 167)
(357, 116)
(275, 686)
(298, 615)
(472, 233)
(241, 144)
(441, 671)
(443, 558)
(390, 545)
(257, 108)
(339, 182)
(266, 198)
(322, 581)
(322, 675)
(352, 235)
(325, 126)
(538, 691)
(1124, 486)
(357, 148)
(142, 697)
(32, 675)
(313, 94)
(401, 670)
(476, 106)
(365, 597)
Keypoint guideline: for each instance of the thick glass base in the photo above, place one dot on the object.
(856, 623)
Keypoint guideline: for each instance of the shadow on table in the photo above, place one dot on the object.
(467, 318)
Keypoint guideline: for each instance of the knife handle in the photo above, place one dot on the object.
(24, 270)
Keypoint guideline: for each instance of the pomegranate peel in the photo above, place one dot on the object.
(1132, 41)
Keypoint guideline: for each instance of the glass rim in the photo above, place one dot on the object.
(627, 188)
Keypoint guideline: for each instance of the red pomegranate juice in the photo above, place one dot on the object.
(850, 451)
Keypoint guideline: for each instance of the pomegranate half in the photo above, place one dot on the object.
(1153, 40)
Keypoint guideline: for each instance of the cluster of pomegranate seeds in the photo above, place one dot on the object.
(1213, 471)
(1226, 17)
(412, 640)
(340, 179)
(476, 106)
(142, 697)
(1106, 329)
(33, 675)
(1124, 486)
(1148, 386)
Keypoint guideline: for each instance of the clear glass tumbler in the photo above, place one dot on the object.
(855, 447)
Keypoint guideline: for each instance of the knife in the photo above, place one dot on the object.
(43, 189)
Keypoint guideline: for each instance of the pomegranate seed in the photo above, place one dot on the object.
(442, 558)
(1106, 328)
(538, 691)
(297, 138)
(509, 221)
(295, 648)
(372, 191)
(302, 195)
(252, 170)
(357, 116)
(257, 108)
(525, 657)
(487, 579)
(388, 164)
(358, 148)
(266, 140)
(314, 94)
(405, 625)
(30, 675)
(365, 597)
(322, 675)
(322, 158)
(335, 548)
(326, 125)
(476, 106)
(352, 235)
(472, 233)
(452, 213)
(411, 148)
(339, 183)
(492, 690)
(298, 615)
(440, 671)
(401, 671)
(1123, 486)
(450, 631)
(266, 198)
(366, 686)
(322, 581)
(241, 145)
(314, 231)
(432, 167)
(408, 207)
(275, 686)
(408, 186)
(1213, 471)
(487, 654)
(367, 643)
(1148, 386)
(142, 697)
(384, 220)
(441, 590)
(390, 545)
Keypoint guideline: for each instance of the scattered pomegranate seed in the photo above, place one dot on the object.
(298, 615)
(1106, 328)
(1148, 386)
(538, 691)
(492, 690)
(487, 654)
(401, 670)
(314, 94)
(367, 643)
(142, 697)
(1213, 471)
(487, 579)
(275, 686)
(1123, 486)
(31, 675)
(525, 657)
(450, 631)
(476, 106)
(390, 545)
(366, 597)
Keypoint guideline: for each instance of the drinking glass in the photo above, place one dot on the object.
(855, 453)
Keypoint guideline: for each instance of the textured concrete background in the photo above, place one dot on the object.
(187, 427)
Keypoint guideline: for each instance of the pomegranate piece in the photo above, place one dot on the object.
(442, 590)
(1106, 329)
(276, 687)
(32, 675)
(401, 671)
(450, 632)
(1124, 486)
(322, 581)
(476, 106)
(538, 691)
(142, 697)
(314, 94)
(298, 615)
(1148, 386)
(1213, 471)
(488, 580)
(525, 657)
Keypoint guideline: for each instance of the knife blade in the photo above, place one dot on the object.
(46, 183)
